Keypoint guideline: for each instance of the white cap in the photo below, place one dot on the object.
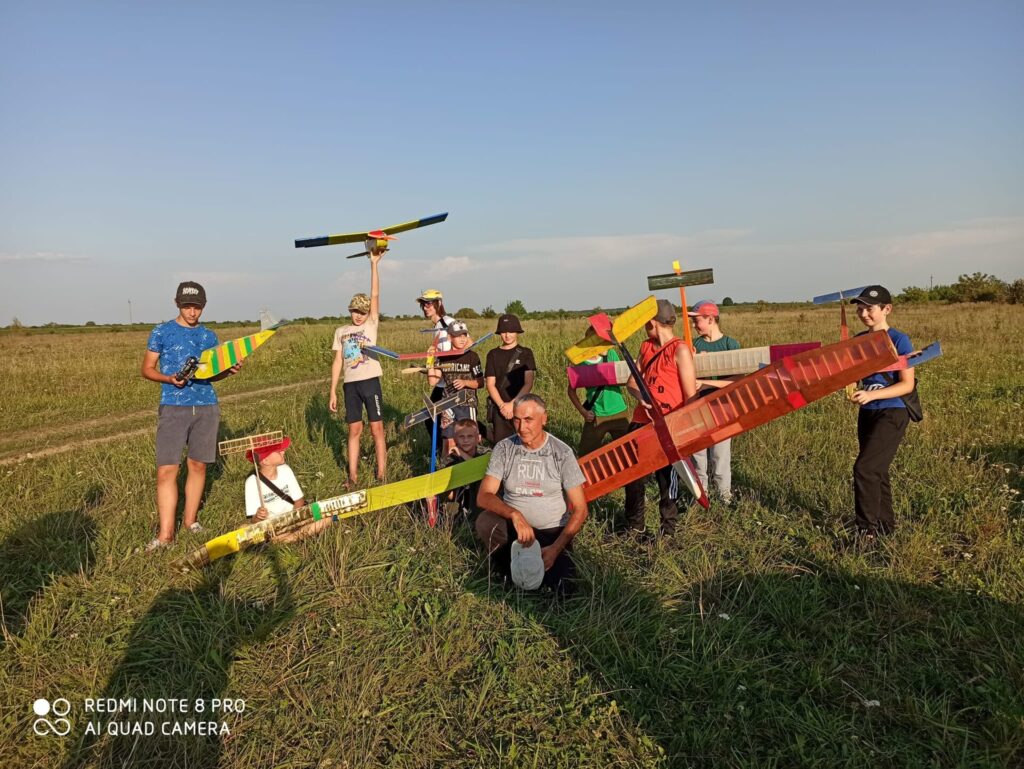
(527, 565)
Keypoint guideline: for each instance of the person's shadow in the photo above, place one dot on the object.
(810, 665)
(37, 553)
(182, 649)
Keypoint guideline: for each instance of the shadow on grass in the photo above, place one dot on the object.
(182, 649)
(810, 667)
(40, 551)
(1010, 457)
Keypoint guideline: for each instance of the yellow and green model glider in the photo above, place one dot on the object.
(217, 360)
(346, 505)
(373, 238)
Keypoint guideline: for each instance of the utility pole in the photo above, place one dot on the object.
(130, 313)
(931, 282)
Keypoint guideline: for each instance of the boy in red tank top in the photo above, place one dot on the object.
(666, 366)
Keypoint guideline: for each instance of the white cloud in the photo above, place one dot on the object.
(43, 256)
(975, 233)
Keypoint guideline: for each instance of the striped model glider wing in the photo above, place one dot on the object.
(218, 359)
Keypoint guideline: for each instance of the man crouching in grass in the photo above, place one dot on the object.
(541, 499)
(188, 413)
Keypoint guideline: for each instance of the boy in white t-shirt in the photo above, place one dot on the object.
(281, 490)
(362, 375)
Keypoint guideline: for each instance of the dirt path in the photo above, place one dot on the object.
(35, 435)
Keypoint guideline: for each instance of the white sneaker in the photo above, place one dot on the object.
(156, 544)
(196, 528)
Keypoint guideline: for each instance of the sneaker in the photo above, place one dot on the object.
(156, 544)
(196, 528)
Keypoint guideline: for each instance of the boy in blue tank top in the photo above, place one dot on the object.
(188, 412)
(881, 422)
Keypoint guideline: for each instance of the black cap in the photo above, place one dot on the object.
(509, 322)
(190, 292)
(873, 295)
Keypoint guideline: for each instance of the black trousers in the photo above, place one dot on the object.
(667, 506)
(562, 574)
(879, 432)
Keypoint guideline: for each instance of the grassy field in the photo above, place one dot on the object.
(757, 639)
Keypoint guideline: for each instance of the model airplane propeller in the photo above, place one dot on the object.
(373, 239)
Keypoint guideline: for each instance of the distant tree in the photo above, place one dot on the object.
(979, 287)
(913, 295)
(90, 323)
(728, 302)
(516, 307)
(488, 312)
(762, 305)
(467, 313)
(1014, 292)
(15, 323)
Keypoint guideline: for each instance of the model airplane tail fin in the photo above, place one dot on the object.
(602, 326)
(268, 322)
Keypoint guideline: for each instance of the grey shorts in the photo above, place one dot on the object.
(192, 426)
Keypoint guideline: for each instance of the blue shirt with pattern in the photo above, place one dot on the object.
(175, 344)
(877, 381)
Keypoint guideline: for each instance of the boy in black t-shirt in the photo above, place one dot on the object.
(510, 372)
(461, 372)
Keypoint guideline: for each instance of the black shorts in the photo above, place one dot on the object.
(364, 393)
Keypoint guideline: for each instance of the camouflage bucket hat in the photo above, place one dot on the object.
(360, 303)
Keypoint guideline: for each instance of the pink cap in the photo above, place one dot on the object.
(708, 309)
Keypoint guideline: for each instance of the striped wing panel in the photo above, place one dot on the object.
(224, 356)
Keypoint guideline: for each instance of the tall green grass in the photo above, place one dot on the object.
(758, 638)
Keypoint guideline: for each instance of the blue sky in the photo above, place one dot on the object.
(796, 148)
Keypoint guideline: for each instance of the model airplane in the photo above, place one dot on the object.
(372, 240)
(433, 408)
(682, 280)
(781, 387)
(219, 359)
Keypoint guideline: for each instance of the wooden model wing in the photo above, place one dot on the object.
(778, 389)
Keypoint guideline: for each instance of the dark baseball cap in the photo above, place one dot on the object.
(190, 292)
(509, 322)
(666, 312)
(873, 295)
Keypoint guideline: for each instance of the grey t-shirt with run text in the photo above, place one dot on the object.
(535, 481)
